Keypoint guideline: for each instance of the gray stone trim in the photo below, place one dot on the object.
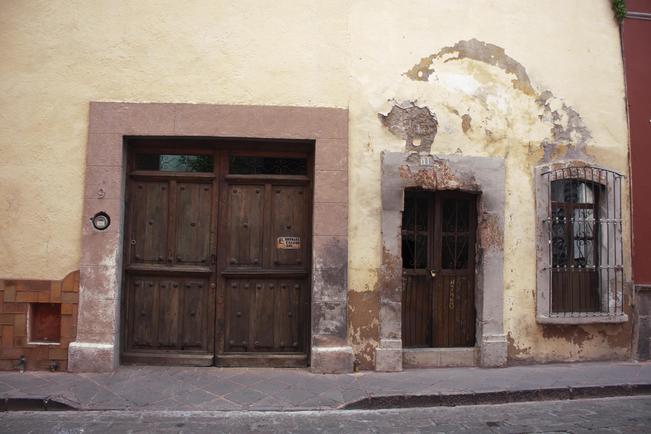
(582, 319)
(642, 326)
(543, 284)
(482, 175)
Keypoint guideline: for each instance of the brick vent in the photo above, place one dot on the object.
(15, 298)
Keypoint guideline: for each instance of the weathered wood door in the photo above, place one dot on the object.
(264, 300)
(438, 253)
(216, 260)
(169, 267)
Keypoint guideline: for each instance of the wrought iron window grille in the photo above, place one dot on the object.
(580, 252)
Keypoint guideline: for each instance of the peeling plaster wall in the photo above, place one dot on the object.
(493, 88)
(496, 89)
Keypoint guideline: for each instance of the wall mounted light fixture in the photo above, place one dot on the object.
(101, 221)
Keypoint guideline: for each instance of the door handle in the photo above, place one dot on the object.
(432, 273)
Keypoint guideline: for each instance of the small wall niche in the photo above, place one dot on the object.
(44, 323)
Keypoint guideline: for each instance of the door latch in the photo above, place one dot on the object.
(432, 273)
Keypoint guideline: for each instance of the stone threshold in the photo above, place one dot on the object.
(440, 357)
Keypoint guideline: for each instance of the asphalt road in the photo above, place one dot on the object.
(606, 415)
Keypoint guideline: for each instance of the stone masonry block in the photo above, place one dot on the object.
(89, 357)
(390, 320)
(388, 359)
(331, 360)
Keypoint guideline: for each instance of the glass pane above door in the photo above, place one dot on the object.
(174, 163)
(243, 165)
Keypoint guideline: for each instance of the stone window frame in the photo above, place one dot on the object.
(611, 198)
(97, 346)
(484, 176)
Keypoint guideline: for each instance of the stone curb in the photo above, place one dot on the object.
(497, 397)
(393, 401)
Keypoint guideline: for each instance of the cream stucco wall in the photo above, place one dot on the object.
(59, 55)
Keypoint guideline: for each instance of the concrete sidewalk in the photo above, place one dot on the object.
(226, 389)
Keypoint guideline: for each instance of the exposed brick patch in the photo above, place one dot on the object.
(15, 298)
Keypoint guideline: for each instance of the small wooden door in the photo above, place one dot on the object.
(216, 264)
(438, 253)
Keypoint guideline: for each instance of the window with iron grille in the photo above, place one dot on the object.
(579, 252)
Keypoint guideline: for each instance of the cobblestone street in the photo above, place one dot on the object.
(607, 415)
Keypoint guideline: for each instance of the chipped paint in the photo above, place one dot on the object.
(466, 121)
(513, 349)
(413, 124)
(490, 233)
(474, 49)
(363, 326)
(564, 125)
(438, 176)
(490, 54)
(570, 333)
(567, 127)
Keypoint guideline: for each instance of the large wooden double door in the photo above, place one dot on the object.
(438, 254)
(216, 263)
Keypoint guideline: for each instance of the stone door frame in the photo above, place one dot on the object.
(483, 176)
(97, 347)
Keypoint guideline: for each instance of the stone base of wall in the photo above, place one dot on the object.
(493, 352)
(642, 347)
(90, 357)
(16, 296)
(332, 360)
(388, 355)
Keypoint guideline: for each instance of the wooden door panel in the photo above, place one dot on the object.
(417, 311)
(454, 311)
(148, 223)
(238, 300)
(262, 324)
(288, 316)
(441, 319)
(143, 314)
(168, 328)
(195, 315)
(289, 219)
(168, 314)
(245, 225)
(454, 285)
(467, 309)
(193, 212)
(264, 315)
